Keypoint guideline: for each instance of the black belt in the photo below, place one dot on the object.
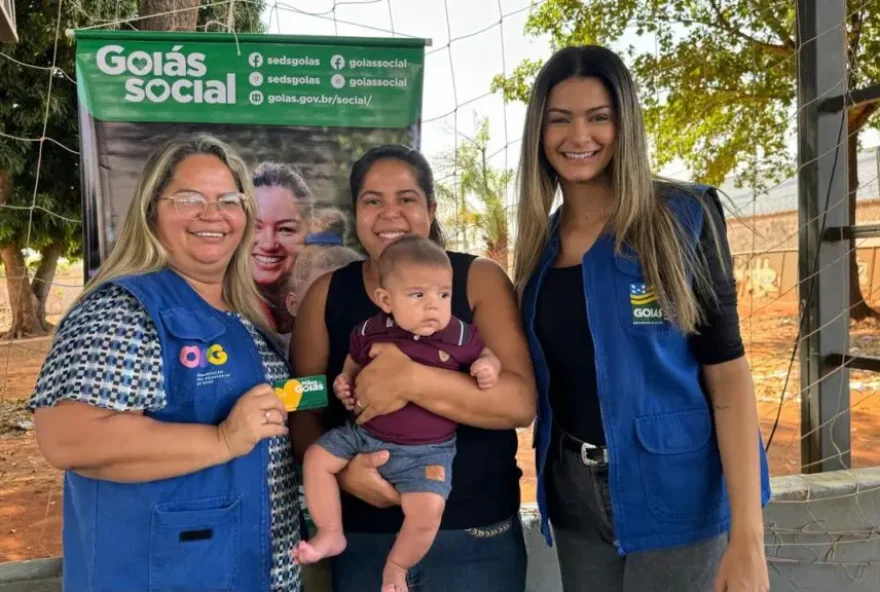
(589, 453)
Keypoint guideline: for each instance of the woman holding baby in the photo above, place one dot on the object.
(480, 544)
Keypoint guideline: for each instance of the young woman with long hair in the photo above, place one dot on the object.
(650, 464)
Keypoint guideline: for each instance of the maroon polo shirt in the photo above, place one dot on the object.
(455, 348)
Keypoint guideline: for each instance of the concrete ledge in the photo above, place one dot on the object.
(39, 575)
(822, 534)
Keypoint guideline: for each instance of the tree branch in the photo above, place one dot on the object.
(860, 115)
(856, 35)
(5, 187)
(738, 91)
(776, 49)
(42, 281)
(777, 28)
(725, 25)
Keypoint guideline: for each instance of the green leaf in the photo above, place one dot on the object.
(47, 208)
(718, 85)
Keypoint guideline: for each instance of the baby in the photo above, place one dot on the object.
(415, 286)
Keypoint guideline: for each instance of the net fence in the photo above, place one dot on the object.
(472, 43)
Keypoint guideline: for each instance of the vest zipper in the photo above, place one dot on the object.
(617, 545)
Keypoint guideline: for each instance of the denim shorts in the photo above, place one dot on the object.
(411, 468)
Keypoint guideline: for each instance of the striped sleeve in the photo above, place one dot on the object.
(106, 352)
(472, 344)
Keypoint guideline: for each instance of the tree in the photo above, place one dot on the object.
(42, 218)
(206, 15)
(168, 15)
(475, 198)
(240, 16)
(719, 86)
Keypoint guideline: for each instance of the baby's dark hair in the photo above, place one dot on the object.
(411, 248)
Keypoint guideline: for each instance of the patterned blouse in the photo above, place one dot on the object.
(107, 353)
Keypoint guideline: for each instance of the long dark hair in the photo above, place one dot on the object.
(419, 164)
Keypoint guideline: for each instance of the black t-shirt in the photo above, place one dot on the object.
(564, 334)
(485, 476)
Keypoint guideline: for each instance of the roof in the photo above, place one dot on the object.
(783, 197)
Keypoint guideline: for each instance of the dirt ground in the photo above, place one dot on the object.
(30, 490)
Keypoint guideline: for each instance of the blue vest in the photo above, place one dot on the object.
(208, 530)
(665, 476)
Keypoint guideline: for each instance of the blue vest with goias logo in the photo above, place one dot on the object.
(209, 530)
(665, 474)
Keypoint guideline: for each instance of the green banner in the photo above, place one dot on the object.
(298, 110)
(257, 79)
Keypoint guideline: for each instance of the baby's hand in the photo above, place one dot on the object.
(342, 389)
(486, 369)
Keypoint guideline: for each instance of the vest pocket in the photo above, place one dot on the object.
(680, 465)
(195, 545)
(191, 325)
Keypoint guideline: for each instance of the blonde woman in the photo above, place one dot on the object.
(650, 464)
(154, 397)
(284, 205)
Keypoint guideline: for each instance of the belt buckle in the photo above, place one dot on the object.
(584, 457)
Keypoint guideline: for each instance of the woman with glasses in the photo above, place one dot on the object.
(155, 398)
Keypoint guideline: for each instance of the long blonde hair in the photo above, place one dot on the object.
(138, 250)
(641, 217)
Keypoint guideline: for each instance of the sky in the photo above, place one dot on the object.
(486, 39)
(456, 74)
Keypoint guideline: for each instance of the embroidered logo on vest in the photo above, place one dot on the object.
(193, 356)
(206, 362)
(646, 308)
(444, 357)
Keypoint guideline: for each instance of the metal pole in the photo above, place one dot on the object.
(823, 266)
(877, 162)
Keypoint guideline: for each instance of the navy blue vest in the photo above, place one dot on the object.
(208, 530)
(665, 475)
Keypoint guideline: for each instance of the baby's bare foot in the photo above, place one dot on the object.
(323, 544)
(393, 578)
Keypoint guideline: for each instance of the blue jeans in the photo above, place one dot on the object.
(488, 559)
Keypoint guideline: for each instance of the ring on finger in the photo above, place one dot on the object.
(266, 416)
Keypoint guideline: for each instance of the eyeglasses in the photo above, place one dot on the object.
(192, 204)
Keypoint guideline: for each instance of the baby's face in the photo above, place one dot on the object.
(419, 297)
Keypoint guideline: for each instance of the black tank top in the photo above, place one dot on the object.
(485, 476)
